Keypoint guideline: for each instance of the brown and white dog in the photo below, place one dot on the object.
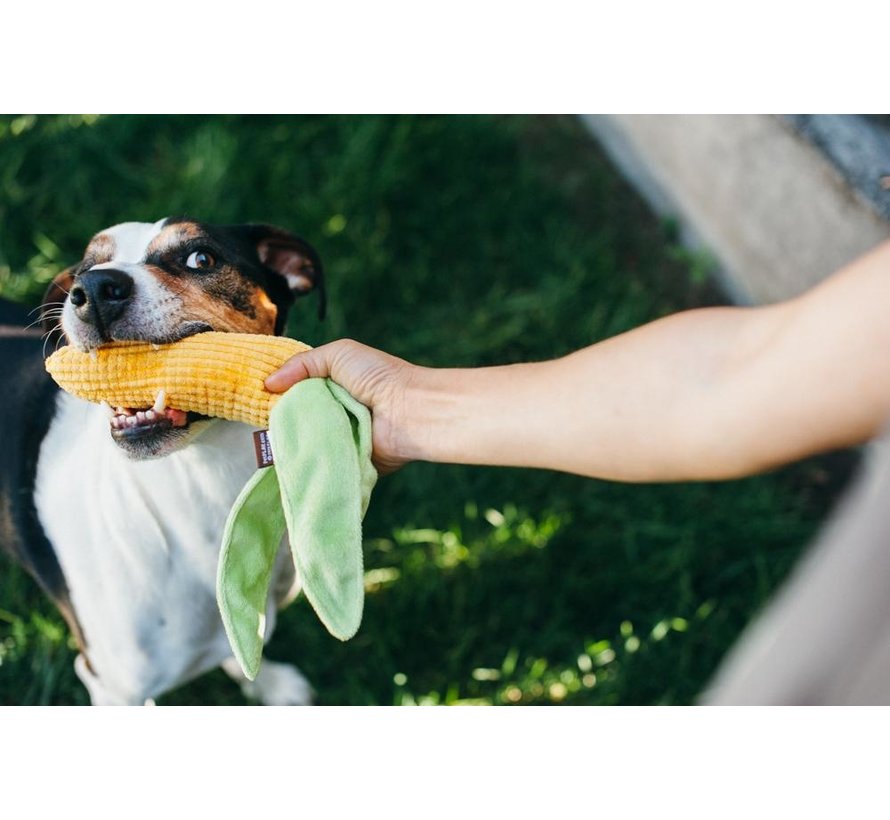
(120, 520)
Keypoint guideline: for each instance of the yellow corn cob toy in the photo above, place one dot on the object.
(216, 374)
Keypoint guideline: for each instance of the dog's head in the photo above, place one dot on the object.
(164, 281)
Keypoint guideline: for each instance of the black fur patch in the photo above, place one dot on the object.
(236, 246)
(29, 399)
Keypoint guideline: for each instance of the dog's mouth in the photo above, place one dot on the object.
(151, 432)
(131, 424)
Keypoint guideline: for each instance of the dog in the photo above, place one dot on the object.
(120, 521)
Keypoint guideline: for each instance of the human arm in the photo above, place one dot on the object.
(705, 394)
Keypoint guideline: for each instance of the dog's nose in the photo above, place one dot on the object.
(101, 296)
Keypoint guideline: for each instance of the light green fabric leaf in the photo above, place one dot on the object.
(318, 490)
(324, 470)
(251, 539)
(360, 420)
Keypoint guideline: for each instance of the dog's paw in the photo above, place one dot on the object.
(277, 684)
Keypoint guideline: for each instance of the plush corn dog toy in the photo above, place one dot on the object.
(317, 491)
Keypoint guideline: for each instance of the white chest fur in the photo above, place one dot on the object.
(138, 542)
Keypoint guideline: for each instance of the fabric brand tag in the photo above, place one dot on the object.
(262, 445)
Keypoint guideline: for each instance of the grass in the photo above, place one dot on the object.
(449, 241)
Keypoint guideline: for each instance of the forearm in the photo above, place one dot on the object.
(707, 394)
(632, 408)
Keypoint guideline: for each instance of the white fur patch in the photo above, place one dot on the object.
(138, 542)
(131, 240)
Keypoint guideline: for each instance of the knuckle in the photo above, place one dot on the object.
(347, 345)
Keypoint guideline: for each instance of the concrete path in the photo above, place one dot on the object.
(777, 211)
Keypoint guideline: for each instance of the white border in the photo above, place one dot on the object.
(438, 762)
(472, 57)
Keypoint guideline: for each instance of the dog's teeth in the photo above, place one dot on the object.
(131, 421)
(120, 411)
(107, 408)
(160, 401)
(140, 417)
(150, 415)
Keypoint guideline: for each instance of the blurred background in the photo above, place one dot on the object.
(463, 241)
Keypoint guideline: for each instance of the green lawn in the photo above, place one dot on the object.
(448, 241)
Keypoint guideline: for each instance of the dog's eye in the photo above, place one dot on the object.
(199, 260)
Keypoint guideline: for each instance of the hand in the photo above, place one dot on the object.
(376, 379)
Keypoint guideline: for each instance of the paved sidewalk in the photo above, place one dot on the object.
(780, 201)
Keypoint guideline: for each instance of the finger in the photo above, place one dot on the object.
(307, 365)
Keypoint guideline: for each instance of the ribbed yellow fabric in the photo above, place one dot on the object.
(216, 374)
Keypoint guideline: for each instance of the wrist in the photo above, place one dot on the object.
(428, 415)
(456, 416)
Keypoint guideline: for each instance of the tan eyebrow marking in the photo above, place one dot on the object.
(173, 236)
(101, 248)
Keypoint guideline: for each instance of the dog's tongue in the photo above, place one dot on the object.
(178, 417)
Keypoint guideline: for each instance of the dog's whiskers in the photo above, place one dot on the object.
(55, 313)
(45, 305)
(47, 336)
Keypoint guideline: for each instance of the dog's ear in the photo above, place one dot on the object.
(53, 300)
(292, 258)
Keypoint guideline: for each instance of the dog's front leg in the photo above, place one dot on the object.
(101, 695)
